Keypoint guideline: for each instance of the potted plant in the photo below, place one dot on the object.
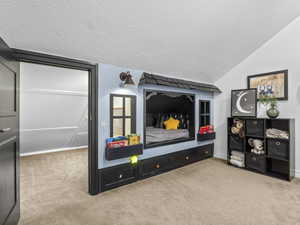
(270, 101)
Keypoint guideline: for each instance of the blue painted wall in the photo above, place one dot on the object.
(109, 82)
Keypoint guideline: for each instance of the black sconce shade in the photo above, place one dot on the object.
(126, 78)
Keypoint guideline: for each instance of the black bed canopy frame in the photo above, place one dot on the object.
(153, 79)
(169, 94)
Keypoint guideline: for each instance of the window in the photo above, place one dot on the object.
(204, 113)
(122, 115)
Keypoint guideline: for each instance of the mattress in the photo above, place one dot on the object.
(154, 135)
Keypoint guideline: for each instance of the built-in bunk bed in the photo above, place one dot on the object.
(159, 107)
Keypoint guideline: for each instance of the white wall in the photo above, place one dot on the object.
(53, 108)
(280, 52)
(109, 82)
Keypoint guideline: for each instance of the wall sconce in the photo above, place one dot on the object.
(126, 79)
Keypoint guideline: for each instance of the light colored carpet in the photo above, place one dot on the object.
(54, 192)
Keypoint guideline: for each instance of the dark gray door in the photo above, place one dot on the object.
(9, 137)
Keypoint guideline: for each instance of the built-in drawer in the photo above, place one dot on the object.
(255, 128)
(207, 152)
(256, 162)
(118, 175)
(192, 155)
(278, 148)
(153, 166)
(179, 159)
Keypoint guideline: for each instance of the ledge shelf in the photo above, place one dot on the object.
(206, 137)
(123, 152)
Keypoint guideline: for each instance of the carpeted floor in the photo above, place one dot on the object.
(54, 192)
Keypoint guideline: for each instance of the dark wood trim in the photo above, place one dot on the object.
(159, 80)
(133, 113)
(8, 61)
(164, 143)
(158, 144)
(286, 82)
(58, 61)
(203, 123)
(6, 51)
(51, 60)
(144, 117)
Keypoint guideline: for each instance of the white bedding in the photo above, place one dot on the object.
(154, 135)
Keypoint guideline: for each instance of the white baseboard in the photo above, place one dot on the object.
(220, 156)
(52, 150)
(297, 173)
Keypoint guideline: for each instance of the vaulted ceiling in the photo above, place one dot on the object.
(194, 39)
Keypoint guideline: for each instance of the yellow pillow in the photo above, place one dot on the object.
(171, 124)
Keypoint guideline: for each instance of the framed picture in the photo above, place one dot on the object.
(270, 84)
(244, 103)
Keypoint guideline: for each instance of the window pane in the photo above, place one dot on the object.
(117, 127)
(207, 120)
(117, 106)
(202, 107)
(127, 126)
(128, 106)
(207, 107)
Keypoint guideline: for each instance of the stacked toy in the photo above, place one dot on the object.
(206, 129)
(121, 141)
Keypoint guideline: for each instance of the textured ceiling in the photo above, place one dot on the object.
(195, 39)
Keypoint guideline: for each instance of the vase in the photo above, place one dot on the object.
(273, 112)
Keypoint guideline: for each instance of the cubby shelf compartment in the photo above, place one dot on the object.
(277, 158)
(123, 152)
(206, 137)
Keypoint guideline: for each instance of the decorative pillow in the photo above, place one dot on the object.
(171, 124)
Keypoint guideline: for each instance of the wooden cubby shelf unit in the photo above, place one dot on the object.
(279, 158)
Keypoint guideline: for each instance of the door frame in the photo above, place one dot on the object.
(58, 61)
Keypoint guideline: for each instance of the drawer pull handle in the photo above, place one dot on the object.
(157, 166)
(277, 143)
(121, 176)
(254, 158)
(254, 122)
(206, 152)
(3, 130)
(187, 158)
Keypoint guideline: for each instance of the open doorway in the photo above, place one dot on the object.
(53, 135)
